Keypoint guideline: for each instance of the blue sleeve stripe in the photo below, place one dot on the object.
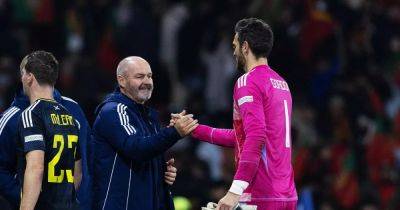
(6, 117)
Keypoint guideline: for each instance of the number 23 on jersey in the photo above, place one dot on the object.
(58, 142)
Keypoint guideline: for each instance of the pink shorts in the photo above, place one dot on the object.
(275, 205)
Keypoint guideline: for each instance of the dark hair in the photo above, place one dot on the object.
(257, 33)
(43, 65)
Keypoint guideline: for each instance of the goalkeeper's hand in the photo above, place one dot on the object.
(213, 206)
(228, 202)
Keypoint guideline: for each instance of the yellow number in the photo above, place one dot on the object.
(71, 139)
(52, 177)
(58, 142)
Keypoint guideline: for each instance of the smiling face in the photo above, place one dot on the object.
(136, 81)
(238, 54)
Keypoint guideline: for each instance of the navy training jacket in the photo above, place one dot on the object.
(129, 164)
(9, 184)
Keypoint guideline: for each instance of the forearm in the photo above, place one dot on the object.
(218, 136)
(31, 188)
(250, 158)
(145, 148)
(77, 174)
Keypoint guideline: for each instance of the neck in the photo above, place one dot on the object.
(45, 92)
(253, 62)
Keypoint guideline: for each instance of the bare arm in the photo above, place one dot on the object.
(77, 174)
(32, 179)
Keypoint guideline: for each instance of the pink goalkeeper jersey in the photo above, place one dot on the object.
(261, 136)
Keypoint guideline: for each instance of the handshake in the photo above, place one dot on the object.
(183, 123)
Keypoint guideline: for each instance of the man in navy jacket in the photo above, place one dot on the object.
(129, 171)
(10, 187)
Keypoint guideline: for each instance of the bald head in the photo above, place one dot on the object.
(135, 78)
(131, 63)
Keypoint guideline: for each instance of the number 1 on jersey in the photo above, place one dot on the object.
(287, 125)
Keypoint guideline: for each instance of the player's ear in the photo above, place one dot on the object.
(245, 47)
(121, 81)
(30, 77)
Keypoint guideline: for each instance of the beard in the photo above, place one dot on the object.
(142, 93)
(240, 62)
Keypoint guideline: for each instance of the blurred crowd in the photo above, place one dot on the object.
(341, 59)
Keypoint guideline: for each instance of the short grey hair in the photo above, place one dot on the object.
(124, 63)
(121, 69)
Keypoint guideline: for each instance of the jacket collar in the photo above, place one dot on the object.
(22, 101)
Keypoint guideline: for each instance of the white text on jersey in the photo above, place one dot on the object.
(279, 84)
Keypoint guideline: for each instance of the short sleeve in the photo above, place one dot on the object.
(31, 131)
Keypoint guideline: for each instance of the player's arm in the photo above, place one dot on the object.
(218, 136)
(252, 112)
(9, 186)
(77, 174)
(32, 179)
(121, 134)
(31, 134)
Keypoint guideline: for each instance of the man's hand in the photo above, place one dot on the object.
(185, 125)
(228, 202)
(170, 174)
(175, 117)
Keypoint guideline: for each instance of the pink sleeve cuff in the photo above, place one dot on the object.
(203, 133)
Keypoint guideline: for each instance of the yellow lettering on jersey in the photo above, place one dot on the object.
(62, 119)
(70, 176)
(55, 119)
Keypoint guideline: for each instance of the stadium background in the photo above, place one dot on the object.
(341, 59)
